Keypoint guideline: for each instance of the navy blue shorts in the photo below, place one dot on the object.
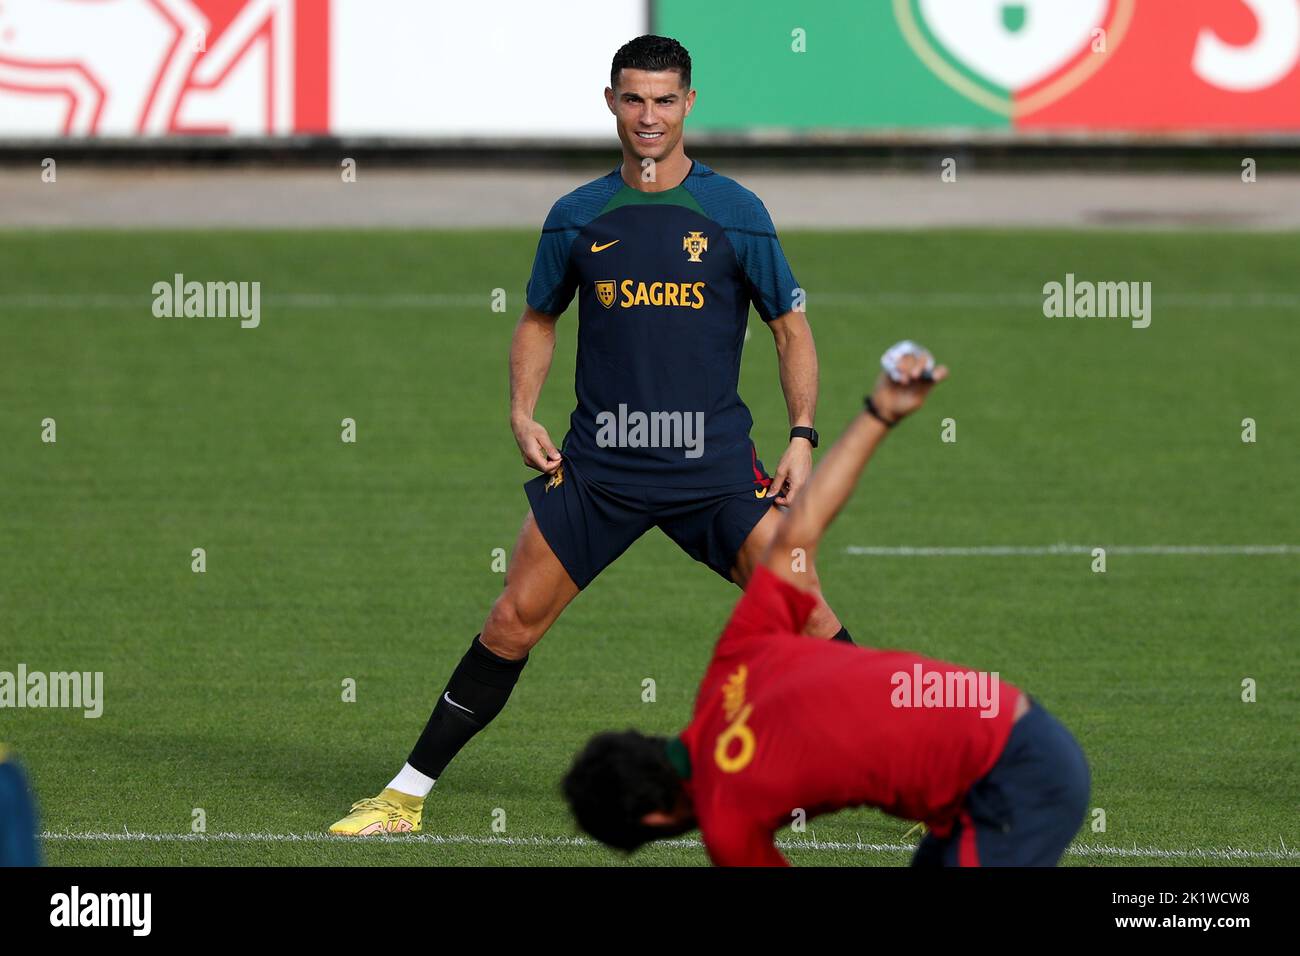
(18, 846)
(589, 524)
(1027, 809)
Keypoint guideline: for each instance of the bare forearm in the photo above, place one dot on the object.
(531, 351)
(797, 357)
(822, 498)
(897, 394)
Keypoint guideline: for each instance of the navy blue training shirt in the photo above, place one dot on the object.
(664, 283)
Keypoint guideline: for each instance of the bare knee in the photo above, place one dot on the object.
(511, 630)
(822, 622)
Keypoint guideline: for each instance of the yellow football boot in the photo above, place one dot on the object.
(390, 812)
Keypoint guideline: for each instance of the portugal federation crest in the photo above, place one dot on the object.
(1013, 58)
(605, 292)
(695, 243)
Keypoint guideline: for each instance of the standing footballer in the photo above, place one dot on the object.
(665, 257)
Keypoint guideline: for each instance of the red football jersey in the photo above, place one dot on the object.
(785, 721)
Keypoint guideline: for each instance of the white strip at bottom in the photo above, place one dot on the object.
(1002, 550)
(1087, 850)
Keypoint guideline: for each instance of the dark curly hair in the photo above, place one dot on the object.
(652, 53)
(616, 780)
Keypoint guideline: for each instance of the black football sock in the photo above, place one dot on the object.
(478, 689)
(842, 635)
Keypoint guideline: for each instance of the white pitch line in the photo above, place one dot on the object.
(435, 300)
(463, 839)
(999, 551)
(994, 300)
(431, 838)
(287, 300)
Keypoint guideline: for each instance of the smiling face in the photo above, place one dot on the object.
(651, 109)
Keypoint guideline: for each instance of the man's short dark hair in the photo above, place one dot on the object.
(652, 53)
(616, 780)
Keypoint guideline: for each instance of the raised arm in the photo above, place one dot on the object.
(837, 475)
(531, 351)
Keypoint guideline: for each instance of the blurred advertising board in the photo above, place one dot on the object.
(533, 71)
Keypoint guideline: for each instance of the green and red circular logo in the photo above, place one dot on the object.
(1014, 58)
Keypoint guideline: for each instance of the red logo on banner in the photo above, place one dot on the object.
(1211, 65)
(154, 67)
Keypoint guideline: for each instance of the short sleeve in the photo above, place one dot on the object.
(552, 283)
(767, 273)
(769, 604)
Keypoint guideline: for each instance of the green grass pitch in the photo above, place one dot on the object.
(373, 561)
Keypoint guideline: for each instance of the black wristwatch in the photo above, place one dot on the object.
(870, 407)
(804, 431)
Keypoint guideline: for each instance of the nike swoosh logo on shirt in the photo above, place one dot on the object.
(447, 698)
(599, 248)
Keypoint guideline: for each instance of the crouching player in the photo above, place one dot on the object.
(784, 723)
